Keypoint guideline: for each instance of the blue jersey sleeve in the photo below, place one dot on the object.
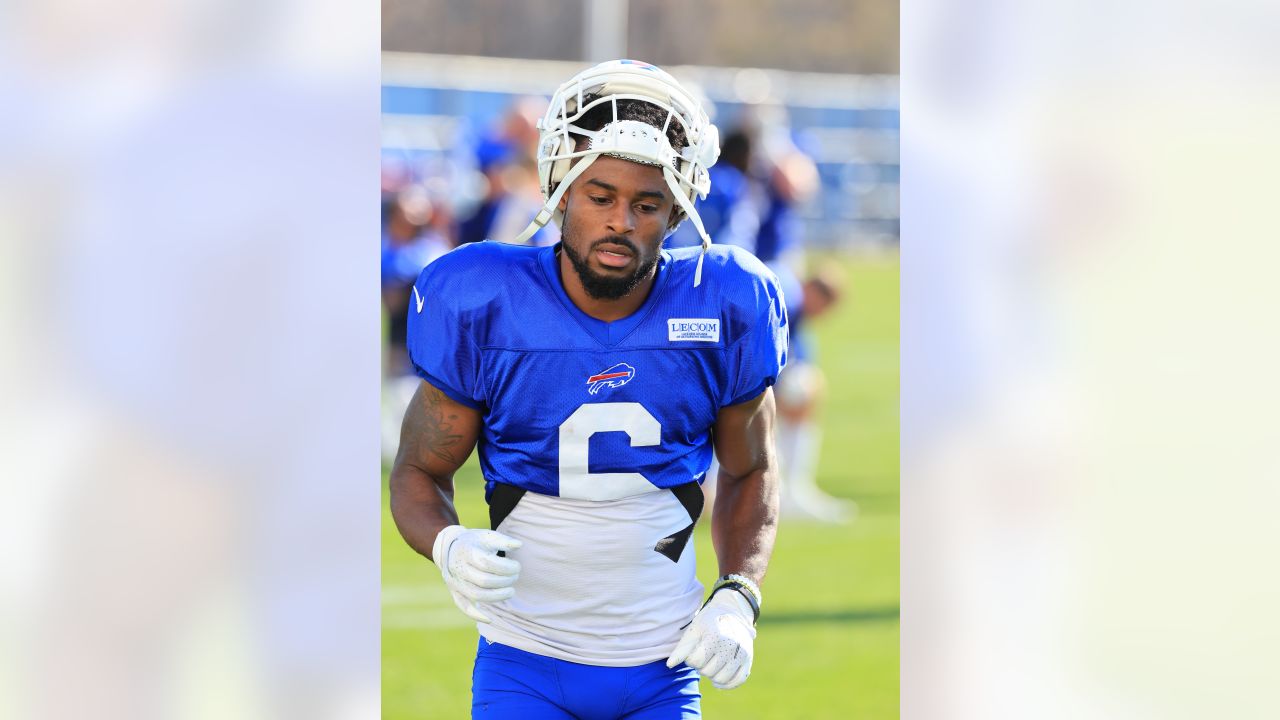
(441, 345)
(756, 358)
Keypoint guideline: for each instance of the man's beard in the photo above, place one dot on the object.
(602, 287)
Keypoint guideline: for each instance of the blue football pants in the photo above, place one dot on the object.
(511, 684)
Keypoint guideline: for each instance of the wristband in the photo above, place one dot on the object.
(747, 584)
(744, 587)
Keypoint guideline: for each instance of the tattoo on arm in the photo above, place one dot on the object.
(437, 429)
(437, 436)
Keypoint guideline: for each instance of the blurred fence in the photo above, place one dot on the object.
(847, 123)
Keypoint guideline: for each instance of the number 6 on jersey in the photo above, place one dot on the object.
(575, 439)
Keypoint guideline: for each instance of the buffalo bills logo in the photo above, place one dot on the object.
(616, 376)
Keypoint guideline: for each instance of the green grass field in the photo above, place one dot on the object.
(828, 638)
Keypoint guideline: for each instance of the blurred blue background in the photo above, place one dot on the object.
(436, 109)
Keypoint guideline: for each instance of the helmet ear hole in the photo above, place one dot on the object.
(554, 172)
(559, 170)
(677, 213)
(709, 146)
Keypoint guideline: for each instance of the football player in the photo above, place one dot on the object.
(597, 376)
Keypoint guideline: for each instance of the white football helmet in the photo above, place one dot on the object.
(685, 171)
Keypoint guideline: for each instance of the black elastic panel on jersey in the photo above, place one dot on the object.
(690, 496)
(672, 545)
(501, 502)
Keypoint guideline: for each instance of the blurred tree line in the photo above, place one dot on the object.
(842, 36)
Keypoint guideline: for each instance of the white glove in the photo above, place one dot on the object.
(719, 642)
(469, 562)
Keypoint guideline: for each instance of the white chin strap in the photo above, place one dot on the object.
(545, 214)
(683, 201)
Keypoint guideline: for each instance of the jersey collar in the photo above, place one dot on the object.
(608, 334)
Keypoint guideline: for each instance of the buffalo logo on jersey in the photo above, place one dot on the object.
(616, 376)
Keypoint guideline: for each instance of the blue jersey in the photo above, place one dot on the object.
(579, 408)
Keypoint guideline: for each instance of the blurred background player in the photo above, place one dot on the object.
(413, 234)
(730, 212)
(762, 180)
(800, 390)
(410, 240)
(507, 158)
(789, 179)
(419, 226)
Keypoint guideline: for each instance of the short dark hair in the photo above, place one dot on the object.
(639, 110)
